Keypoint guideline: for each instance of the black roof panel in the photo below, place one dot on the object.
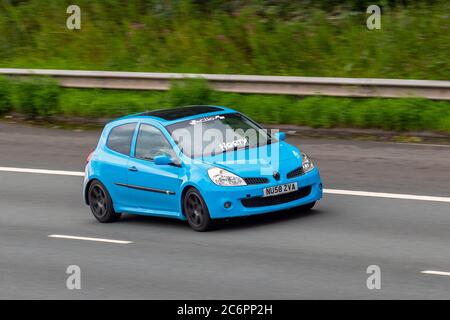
(181, 112)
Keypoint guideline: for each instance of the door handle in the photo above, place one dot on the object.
(133, 168)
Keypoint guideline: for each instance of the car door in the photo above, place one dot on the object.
(154, 187)
(113, 167)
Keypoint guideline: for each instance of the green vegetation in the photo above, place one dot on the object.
(407, 114)
(284, 37)
(37, 97)
(5, 96)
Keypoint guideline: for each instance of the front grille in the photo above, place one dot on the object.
(295, 173)
(256, 180)
(273, 200)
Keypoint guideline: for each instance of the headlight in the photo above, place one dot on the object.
(225, 178)
(306, 163)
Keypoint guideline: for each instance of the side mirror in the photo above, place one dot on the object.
(162, 160)
(280, 136)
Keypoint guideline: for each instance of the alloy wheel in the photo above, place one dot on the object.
(195, 209)
(99, 201)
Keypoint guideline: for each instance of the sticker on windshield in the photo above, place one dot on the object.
(225, 146)
(207, 119)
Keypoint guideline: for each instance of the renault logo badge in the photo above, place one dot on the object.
(276, 175)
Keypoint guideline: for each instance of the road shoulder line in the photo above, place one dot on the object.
(327, 191)
(61, 236)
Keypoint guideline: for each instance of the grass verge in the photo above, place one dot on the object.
(44, 99)
(285, 37)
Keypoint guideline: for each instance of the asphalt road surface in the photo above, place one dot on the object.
(286, 255)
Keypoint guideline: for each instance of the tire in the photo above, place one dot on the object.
(101, 203)
(196, 211)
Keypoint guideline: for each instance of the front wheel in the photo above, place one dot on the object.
(196, 211)
(101, 203)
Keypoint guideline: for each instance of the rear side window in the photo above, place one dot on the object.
(120, 138)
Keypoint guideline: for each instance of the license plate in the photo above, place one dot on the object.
(282, 188)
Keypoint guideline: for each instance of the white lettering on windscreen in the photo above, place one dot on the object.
(225, 146)
(202, 120)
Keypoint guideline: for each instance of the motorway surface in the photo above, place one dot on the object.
(287, 255)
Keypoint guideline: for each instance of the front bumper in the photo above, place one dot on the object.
(217, 196)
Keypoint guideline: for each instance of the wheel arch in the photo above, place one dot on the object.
(86, 189)
(185, 189)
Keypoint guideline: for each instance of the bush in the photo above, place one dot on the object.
(47, 97)
(403, 114)
(190, 92)
(38, 97)
(94, 103)
(26, 97)
(5, 96)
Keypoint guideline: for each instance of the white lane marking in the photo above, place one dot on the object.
(329, 191)
(386, 195)
(439, 273)
(61, 236)
(43, 171)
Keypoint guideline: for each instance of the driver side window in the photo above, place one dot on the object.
(151, 143)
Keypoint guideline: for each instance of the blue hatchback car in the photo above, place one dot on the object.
(196, 163)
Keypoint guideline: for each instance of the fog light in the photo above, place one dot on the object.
(227, 204)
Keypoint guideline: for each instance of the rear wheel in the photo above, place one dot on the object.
(101, 203)
(196, 211)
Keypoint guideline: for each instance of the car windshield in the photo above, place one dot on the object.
(218, 134)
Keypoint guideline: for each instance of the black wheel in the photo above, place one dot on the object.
(196, 211)
(101, 203)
